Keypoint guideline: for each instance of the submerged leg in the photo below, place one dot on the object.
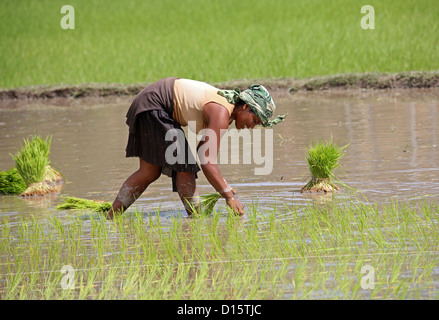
(134, 186)
(187, 190)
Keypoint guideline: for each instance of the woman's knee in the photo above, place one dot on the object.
(186, 179)
(149, 172)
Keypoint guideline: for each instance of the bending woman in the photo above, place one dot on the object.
(160, 110)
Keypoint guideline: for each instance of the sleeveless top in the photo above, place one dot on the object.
(190, 97)
(182, 99)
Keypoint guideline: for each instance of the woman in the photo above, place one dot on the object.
(171, 103)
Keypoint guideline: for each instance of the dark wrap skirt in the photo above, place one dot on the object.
(149, 119)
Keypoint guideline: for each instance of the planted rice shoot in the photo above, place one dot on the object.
(310, 252)
(323, 158)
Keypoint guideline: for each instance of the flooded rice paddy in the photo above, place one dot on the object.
(392, 157)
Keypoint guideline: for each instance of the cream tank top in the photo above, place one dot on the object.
(190, 97)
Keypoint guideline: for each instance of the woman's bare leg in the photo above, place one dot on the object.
(187, 190)
(134, 186)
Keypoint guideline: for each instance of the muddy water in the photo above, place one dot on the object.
(393, 150)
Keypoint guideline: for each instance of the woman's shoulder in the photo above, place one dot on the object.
(193, 84)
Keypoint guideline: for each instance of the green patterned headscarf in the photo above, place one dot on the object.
(259, 100)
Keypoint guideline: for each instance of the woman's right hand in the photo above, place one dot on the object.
(235, 205)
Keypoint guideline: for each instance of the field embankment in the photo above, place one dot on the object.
(402, 80)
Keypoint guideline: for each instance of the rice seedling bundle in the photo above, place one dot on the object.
(11, 182)
(32, 159)
(84, 204)
(208, 202)
(33, 165)
(323, 158)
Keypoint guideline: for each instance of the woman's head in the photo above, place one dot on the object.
(258, 99)
(244, 116)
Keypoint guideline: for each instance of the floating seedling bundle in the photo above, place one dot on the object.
(207, 203)
(33, 173)
(80, 203)
(11, 182)
(323, 158)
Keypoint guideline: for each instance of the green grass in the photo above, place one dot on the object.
(219, 40)
(280, 253)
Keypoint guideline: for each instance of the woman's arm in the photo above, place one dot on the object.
(217, 119)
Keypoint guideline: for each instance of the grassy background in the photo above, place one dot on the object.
(217, 40)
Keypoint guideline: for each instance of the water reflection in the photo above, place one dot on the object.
(392, 135)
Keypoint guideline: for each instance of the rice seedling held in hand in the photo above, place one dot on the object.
(33, 164)
(204, 204)
(323, 158)
(208, 202)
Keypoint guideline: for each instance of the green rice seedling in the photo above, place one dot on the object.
(11, 182)
(33, 165)
(208, 202)
(84, 204)
(323, 158)
(269, 256)
(33, 158)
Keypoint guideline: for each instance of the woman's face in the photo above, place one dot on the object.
(246, 118)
